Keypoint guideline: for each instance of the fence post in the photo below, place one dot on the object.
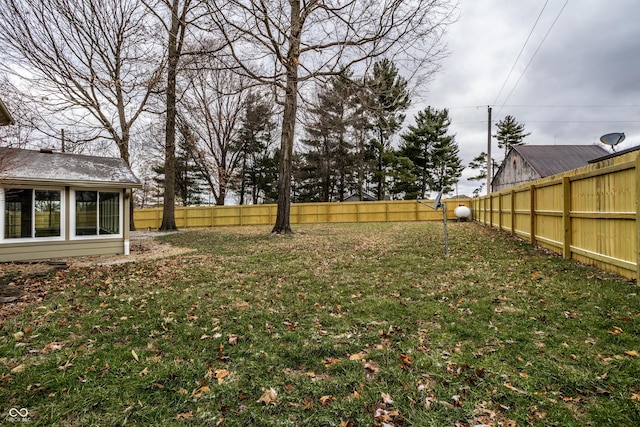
(532, 216)
(500, 209)
(490, 210)
(487, 210)
(638, 219)
(566, 217)
(513, 213)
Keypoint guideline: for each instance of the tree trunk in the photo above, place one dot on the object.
(168, 210)
(243, 178)
(282, 225)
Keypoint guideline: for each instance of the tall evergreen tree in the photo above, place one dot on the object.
(329, 169)
(188, 178)
(387, 98)
(416, 145)
(510, 133)
(479, 163)
(256, 157)
(433, 154)
(445, 166)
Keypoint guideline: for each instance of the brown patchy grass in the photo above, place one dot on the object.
(345, 325)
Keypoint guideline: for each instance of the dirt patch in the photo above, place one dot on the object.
(143, 247)
(23, 283)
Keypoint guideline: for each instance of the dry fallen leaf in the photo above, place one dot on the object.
(269, 397)
(372, 367)
(135, 355)
(381, 414)
(406, 359)
(52, 346)
(615, 331)
(358, 356)
(330, 361)
(512, 388)
(220, 374)
(200, 391)
(308, 402)
(386, 398)
(18, 369)
(184, 416)
(633, 353)
(325, 400)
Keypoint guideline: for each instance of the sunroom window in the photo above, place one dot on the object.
(31, 213)
(97, 212)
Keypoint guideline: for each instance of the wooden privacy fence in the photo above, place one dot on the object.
(589, 214)
(301, 213)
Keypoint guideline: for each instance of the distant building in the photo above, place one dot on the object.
(56, 205)
(526, 163)
(366, 197)
(5, 116)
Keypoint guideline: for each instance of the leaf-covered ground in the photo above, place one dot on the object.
(337, 325)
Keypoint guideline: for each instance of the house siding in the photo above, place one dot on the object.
(37, 251)
(514, 171)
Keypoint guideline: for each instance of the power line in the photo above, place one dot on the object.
(520, 53)
(571, 106)
(534, 55)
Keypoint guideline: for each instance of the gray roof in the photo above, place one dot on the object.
(5, 116)
(30, 166)
(553, 159)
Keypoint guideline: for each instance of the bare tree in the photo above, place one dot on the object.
(288, 42)
(18, 134)
(91, 63)
(211, 118)
(176, 16)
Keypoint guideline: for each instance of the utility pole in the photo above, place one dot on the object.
(489, 175)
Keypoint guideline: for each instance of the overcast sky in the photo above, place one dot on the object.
(583, 82)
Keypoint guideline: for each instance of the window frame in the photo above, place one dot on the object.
(33, 238)
(72, 214)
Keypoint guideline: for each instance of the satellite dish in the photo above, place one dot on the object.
(436, 203)
(612, 139)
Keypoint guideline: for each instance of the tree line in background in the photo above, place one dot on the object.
(203, 98)
(345, 149)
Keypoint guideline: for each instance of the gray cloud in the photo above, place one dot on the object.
(583, 82)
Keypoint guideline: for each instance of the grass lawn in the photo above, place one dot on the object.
(337, 325)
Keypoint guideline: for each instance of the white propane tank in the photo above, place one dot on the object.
(462, 212)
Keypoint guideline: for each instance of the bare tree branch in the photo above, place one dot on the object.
(287, 42)
(96, 57)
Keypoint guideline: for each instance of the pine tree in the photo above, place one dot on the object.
(445, 166)
(256, 158)
(387, 98)
(433, 153)
(479, 163)
(510, 133)
(329, 167)
(188, 178)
